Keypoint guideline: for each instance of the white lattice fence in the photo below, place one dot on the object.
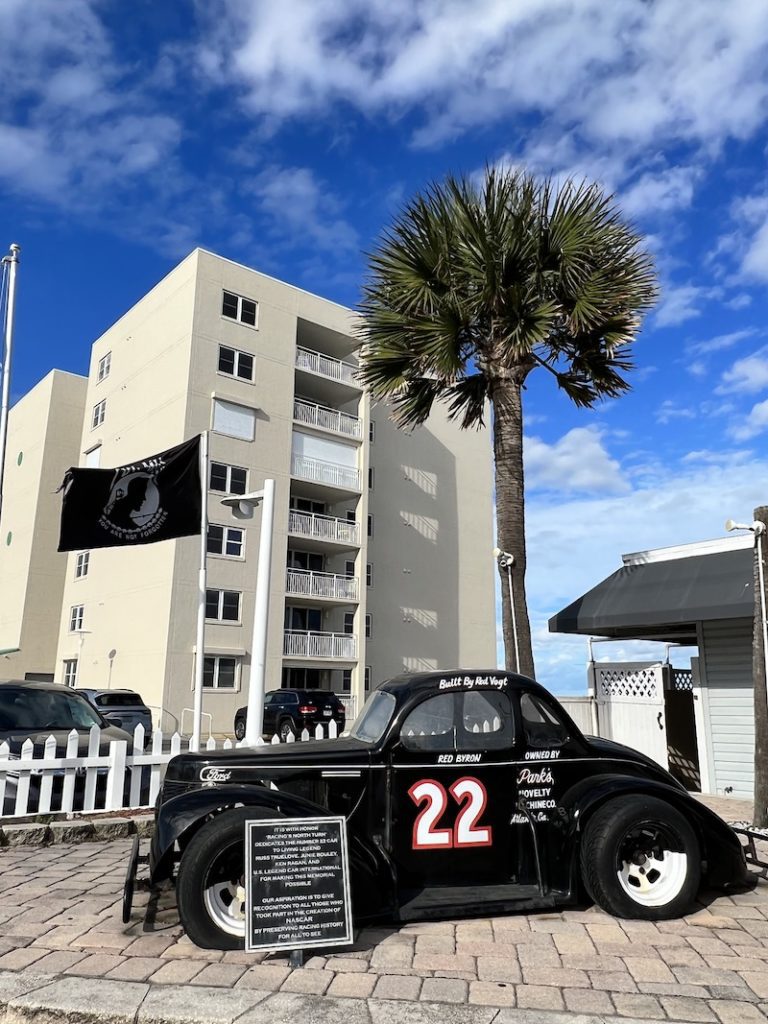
(634, 681)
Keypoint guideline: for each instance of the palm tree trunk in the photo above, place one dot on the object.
(510, 519)
(760, 816)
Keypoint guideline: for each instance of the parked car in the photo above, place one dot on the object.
(34, 711)
(464, 793)
(123, 707)
(287, 712)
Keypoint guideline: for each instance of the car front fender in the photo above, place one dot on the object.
(724, 862)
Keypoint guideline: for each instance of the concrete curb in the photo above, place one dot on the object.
(29, 997)
(75, 830)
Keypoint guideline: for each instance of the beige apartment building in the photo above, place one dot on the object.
(44, 431)
(382, 541)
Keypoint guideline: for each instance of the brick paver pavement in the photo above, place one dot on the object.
(60, 915)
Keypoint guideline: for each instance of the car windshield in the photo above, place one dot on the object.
(32, 710)
(370, 725)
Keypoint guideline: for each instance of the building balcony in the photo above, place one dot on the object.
(327, 367)
(330, 473)
(324, 585)
(327, 419)
(323, 528)
(326, 646)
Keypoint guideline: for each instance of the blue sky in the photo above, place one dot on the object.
(286, 135)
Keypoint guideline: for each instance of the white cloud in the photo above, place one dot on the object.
(577, 462)
(658, 193)
(746, 376)
(721, 341)
(754, 423)
(301, 209)
(740, 301)
(671, 410)
(682, 302)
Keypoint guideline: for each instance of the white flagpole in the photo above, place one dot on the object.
(194, 743)
(257, 685)
(5, 389)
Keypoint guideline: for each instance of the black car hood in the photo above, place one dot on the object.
(609, 748)
(16, 738)
(305, 754)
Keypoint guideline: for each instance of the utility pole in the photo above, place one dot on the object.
(11, 262)
(759, 656)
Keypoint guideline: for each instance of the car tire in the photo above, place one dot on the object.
(210, 885)
(286, 729)
(240, 729)
(640, 858)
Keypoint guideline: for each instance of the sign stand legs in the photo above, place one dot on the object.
(296, 958)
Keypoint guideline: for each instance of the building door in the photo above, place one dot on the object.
(682, 747)
(631, 707)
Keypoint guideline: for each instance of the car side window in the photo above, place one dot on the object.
(541, 726)
(430, 726)
(486, 721)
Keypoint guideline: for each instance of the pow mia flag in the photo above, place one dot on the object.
(152, 499)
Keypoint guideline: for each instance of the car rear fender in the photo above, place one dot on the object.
(724, 862)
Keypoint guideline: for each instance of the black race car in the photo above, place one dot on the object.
(464, 793)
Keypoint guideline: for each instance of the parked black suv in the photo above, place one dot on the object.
(287, 712)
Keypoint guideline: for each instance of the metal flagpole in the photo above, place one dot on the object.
(254, 721)
(12, 262)
(194, 743)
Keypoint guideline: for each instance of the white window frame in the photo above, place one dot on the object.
(368, 626)
(237, 353)
(227, 530)
(76, 616)
(221, 592)
(222, 402)
(371, 478)
(367, 677)
(349, 619)
(217, 659)
(369, 574)
(99, 414)
(82, 563)
(372, 432)
(229, 469)
(370, 524)
(105, 365)
(237, 319)
(70, 672)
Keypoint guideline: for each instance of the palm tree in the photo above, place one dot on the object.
(475, 286)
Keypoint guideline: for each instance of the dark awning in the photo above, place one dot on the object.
(664, 600)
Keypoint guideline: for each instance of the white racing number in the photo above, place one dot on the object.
(472, 797)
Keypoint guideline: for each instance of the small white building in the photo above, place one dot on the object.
(700, 724)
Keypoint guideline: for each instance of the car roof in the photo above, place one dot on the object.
(117, 692)
(448, 680)
(35, 684)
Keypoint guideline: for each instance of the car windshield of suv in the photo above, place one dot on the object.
(371, 724)
(40, 709)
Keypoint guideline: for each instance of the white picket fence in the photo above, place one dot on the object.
(40, 782)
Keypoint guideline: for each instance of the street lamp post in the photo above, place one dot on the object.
(243, 506)
(505, 561)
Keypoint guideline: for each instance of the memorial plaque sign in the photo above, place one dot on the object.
(297, 883)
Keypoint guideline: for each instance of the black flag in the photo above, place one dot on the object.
(148, 500)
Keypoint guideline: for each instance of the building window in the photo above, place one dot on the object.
(219, 673)
(81, 564)
(76, 617)
(349, 568)
(235, 363)
(370, 478)
(370, 525)
(351, 515)
(349, 622)
(236, 307)
(367, 677)
(369, 574)
(371, 431)
(225, 540)
(346, 680)
(234, 420)
(70, 671)
(368, 626)
(105, 365)
(222, 605)
(228, 479)
(99, 412)
(93, 457)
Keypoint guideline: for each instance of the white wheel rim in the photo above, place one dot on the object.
(224, 902)
(654, 875)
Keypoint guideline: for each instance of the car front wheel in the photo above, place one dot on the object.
(240, 729)
(640, 858)
(210, 886)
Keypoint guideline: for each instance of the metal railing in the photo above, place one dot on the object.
(325, 472)
(320, 527)
(329, 419)
(307, 583)
(326, 366)
(301, 644)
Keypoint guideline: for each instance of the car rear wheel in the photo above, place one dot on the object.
(210, 886)
(240, 729)
(286, 729)
(640, 858)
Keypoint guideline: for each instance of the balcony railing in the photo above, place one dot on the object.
(326, 472)
(329, 419)
(300, 644)
(326, 366)
(305, 583)
(306, 524)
